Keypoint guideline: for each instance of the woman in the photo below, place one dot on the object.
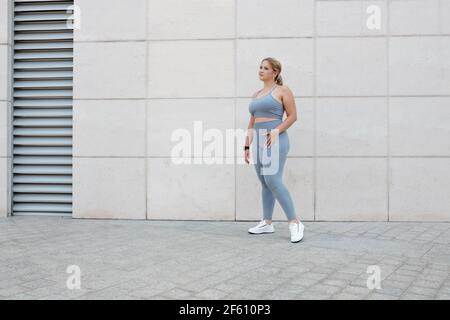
(267, 108)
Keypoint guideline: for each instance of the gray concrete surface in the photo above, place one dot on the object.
(220, 260)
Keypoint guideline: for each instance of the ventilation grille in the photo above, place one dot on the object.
(42, 126)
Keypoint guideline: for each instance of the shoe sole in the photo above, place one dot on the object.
(297, 241)
(261, 232)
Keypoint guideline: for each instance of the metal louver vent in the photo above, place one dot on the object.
(42, 128)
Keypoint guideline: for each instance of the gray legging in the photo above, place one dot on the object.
(269, 165)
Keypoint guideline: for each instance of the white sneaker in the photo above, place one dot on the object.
(296, 231)
(262, 227)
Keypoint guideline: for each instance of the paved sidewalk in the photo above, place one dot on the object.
(220, 260)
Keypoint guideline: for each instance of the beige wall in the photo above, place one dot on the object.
(372, 141)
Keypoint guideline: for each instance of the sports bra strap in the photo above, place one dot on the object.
(273, 88)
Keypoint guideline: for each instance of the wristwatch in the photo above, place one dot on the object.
(246, 148)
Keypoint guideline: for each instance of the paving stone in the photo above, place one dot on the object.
(315, 295)
(380, 296)
(428, 284)
(392, 291)
(12, 291)
(211, 294)
(400, 277)
(346, 296)
(136, 260)
(178, 293)
(413, 296)
(421, 290)
(359, 291)
(444, 296)
(336, 282)
(325, 289)
(39, 283)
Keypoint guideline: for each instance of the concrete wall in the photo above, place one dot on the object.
(372, 142)
(5, 104)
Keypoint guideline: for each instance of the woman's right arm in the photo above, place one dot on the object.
(249, 137)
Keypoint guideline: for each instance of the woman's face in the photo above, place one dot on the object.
(266, 72)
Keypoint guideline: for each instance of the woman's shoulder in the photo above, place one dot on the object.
(285, 91)
(283, 87)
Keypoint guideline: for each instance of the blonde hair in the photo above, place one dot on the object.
(276, 66)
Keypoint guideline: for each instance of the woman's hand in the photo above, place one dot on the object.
(272, 137)
(247, 156)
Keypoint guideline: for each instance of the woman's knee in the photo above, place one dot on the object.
(273, 181)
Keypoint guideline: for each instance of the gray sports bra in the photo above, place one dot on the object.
(266, 106)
